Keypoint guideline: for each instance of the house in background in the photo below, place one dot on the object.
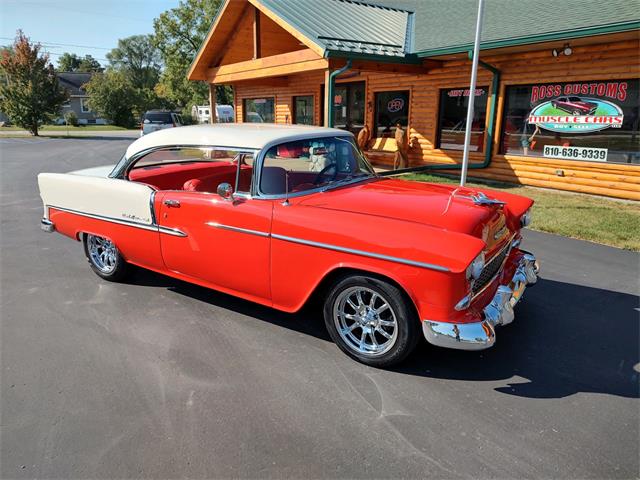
(78, 99)
(543, 67)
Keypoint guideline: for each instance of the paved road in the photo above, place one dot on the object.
(157, 378)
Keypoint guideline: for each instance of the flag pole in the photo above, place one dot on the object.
(472, 94)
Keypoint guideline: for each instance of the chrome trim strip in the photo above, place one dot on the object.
(172, 231)
(362, 253)
(151, 206)
(119, 221)
(238, 229)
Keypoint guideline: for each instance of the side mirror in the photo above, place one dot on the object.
(225, 190)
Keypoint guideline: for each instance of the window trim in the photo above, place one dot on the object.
(84, 108)
(440, 107)
(244, 106)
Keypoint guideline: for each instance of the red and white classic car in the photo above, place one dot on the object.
(275, 214)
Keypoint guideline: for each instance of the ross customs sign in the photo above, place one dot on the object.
(578, 107)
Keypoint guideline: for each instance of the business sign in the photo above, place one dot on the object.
(395, 105)
(575, 153)
(578, 107)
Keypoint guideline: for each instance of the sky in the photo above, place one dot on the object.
(79, 26)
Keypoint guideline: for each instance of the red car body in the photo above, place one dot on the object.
(277, 252)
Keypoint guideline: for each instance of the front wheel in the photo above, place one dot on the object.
(371, 320)
(105, 258)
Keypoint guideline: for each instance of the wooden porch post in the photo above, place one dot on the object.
(327, 100)
(213, 117)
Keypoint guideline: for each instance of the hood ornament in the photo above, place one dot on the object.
(481, 199)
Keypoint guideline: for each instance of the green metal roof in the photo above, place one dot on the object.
(397, 29)
(348, 26)
(448, 26)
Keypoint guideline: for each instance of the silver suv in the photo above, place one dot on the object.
(159, 120)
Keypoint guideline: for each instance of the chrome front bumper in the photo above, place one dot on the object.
(47, 225)
(499, 311)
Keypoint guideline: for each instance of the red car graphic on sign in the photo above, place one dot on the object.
(574, 105)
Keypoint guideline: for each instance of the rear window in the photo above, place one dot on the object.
(158, 117)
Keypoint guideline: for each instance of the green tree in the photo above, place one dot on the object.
(112, 95)
(29, 93)
(139, 59)
(70, 62)
(179, 32)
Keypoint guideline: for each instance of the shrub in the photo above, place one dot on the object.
(71, 118)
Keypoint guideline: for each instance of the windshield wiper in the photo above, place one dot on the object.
(348, 179)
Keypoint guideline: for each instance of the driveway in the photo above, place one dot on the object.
(158, 378)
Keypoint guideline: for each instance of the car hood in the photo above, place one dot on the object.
(431, 204)
(103, 171)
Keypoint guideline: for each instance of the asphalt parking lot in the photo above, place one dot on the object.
(160, 379)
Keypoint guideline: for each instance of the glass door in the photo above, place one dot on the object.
(348, 105)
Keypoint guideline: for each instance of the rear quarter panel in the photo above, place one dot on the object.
(115, 209)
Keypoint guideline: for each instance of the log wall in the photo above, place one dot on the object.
(608, 61)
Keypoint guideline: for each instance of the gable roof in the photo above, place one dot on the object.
(349, 26)
(73, 81)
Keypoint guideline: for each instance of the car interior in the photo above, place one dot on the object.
(293, 167)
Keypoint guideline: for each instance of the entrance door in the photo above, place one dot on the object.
(348, 106)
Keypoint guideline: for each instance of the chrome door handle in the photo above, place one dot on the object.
(172, 203)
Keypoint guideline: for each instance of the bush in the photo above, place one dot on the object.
(71, 118)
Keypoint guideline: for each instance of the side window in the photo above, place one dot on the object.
(198, 169)
(303, 165)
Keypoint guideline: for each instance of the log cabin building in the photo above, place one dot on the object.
(556, 103)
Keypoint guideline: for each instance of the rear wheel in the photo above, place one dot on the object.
(371, 320)
(104, 257)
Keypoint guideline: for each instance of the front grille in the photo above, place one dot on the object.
(490, 269)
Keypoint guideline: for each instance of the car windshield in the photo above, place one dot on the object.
(316, 163)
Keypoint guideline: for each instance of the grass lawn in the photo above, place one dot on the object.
(598, 219)
(63, 128)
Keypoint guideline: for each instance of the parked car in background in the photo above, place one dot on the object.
(202, 113)
(243, 209)
(155, 120)
(574, 105)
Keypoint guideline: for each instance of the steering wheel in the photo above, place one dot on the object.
(321, 173)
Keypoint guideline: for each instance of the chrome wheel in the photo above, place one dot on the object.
(102, 253)
(365, 321)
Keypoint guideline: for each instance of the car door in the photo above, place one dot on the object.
(224, 243)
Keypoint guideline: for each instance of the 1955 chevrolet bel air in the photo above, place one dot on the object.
(276, 214)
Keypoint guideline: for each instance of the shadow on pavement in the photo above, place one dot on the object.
(566, 339)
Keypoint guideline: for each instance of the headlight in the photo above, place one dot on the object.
(474, 270)
(525, 220)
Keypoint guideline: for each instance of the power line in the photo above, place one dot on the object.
(64, 44)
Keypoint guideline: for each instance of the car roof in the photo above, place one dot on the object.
(252, 136)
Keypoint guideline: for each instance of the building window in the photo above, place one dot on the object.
(303, 110)
(258, 110)
(392, 108)
(452, 120)
(591, 120)
(84, 105)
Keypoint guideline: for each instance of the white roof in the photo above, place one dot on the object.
(236, 135)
